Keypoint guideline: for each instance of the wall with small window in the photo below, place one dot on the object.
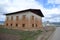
(25, 14)
(19, 15)
(18, 20)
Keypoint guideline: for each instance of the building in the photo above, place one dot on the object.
(29, 19)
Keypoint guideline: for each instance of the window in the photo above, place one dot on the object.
(24, 16)
(11, 24)
(16, 25)
(17, 17)
(23, 25)
(32, 25)
(7, 18)
(36, 25)
(7, 24)
(32, 17)
(11, 17)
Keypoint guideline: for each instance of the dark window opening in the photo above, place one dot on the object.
(7, 24)
(16, 25)
(36, 25)
(23, 25)
(11, 24)
(32, 25)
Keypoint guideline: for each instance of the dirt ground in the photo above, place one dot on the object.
(4, 36)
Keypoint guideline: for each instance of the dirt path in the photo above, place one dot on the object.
(4, 36)
(44, 35)
(55, 35)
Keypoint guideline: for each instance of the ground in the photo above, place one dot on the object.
(4, 36)
(10, 34)
(47, 33)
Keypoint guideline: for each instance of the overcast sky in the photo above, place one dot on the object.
(50, 8)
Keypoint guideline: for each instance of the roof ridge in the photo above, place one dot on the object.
(36, 11)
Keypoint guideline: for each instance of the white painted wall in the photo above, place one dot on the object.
(28, 15)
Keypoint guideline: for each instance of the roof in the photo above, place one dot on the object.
(36, 11)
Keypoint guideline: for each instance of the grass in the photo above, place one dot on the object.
(25, 35)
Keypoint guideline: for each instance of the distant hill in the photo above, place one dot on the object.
(52, 23)
(56, 23)
(1, 22)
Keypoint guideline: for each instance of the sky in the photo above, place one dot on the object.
(49, 8)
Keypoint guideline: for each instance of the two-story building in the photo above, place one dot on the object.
(29, 19)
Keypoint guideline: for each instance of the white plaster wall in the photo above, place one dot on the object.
(36, 16)
(28, 15)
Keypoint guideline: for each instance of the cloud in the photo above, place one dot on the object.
(54, 1)
(56, 19)
(49, 3)
(48, 7)
(3, 1)
(17, 5)
(22, 4)
(2, 17)
(52, 15)
(2, 9)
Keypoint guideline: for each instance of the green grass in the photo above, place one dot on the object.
(26, 35)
